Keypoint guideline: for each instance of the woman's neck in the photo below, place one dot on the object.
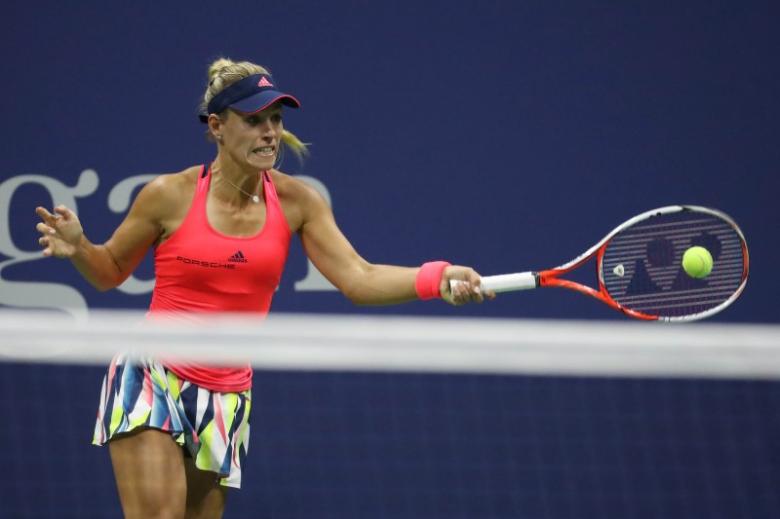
(233, 180)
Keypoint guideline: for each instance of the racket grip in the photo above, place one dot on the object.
(506, 282)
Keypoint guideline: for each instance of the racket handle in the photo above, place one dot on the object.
(506, 282)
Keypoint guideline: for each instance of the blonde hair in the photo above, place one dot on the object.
(223, 72)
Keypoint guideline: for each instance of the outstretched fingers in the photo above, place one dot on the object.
(64, 212)
(44, 240)
(44, 214)
(57, 230)
(44, 229)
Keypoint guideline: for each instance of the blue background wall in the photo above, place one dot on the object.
(504, 135)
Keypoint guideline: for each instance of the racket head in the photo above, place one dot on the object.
(639, 264)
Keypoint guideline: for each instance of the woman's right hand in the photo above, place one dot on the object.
(61, 232)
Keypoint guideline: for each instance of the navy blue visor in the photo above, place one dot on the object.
(251, 94)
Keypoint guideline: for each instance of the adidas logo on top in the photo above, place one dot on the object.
(238, 257)
(264, 82)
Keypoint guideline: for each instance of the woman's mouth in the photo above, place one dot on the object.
(265, 151)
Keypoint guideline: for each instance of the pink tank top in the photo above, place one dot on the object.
(199, 269)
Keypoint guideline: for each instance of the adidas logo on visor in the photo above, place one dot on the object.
(238, 257)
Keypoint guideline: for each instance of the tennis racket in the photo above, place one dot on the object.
(639, 266)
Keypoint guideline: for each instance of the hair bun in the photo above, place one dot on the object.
(217, 65)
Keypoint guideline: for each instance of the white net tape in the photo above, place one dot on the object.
(454, 345)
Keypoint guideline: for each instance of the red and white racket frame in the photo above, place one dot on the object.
(552, 277)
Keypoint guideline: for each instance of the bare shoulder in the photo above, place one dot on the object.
(169, 192)
(291, 188)
(169, 187)
(299, 199)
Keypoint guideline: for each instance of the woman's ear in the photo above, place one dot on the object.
(215, 126)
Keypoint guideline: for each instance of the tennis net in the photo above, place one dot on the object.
(401, 417)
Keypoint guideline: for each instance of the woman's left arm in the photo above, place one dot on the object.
(366, 283)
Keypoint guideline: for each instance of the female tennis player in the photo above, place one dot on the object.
(178, 432)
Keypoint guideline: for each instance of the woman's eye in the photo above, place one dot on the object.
(254, 120)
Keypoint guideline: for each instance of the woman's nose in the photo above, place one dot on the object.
(269, 128)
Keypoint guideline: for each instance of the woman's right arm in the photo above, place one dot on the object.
(107, 266)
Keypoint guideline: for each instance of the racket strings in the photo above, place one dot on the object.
(642, 265)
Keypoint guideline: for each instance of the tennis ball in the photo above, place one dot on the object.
(697, 262)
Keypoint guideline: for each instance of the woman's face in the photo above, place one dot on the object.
(253, 139)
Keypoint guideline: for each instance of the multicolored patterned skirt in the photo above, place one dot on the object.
(212, 427)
